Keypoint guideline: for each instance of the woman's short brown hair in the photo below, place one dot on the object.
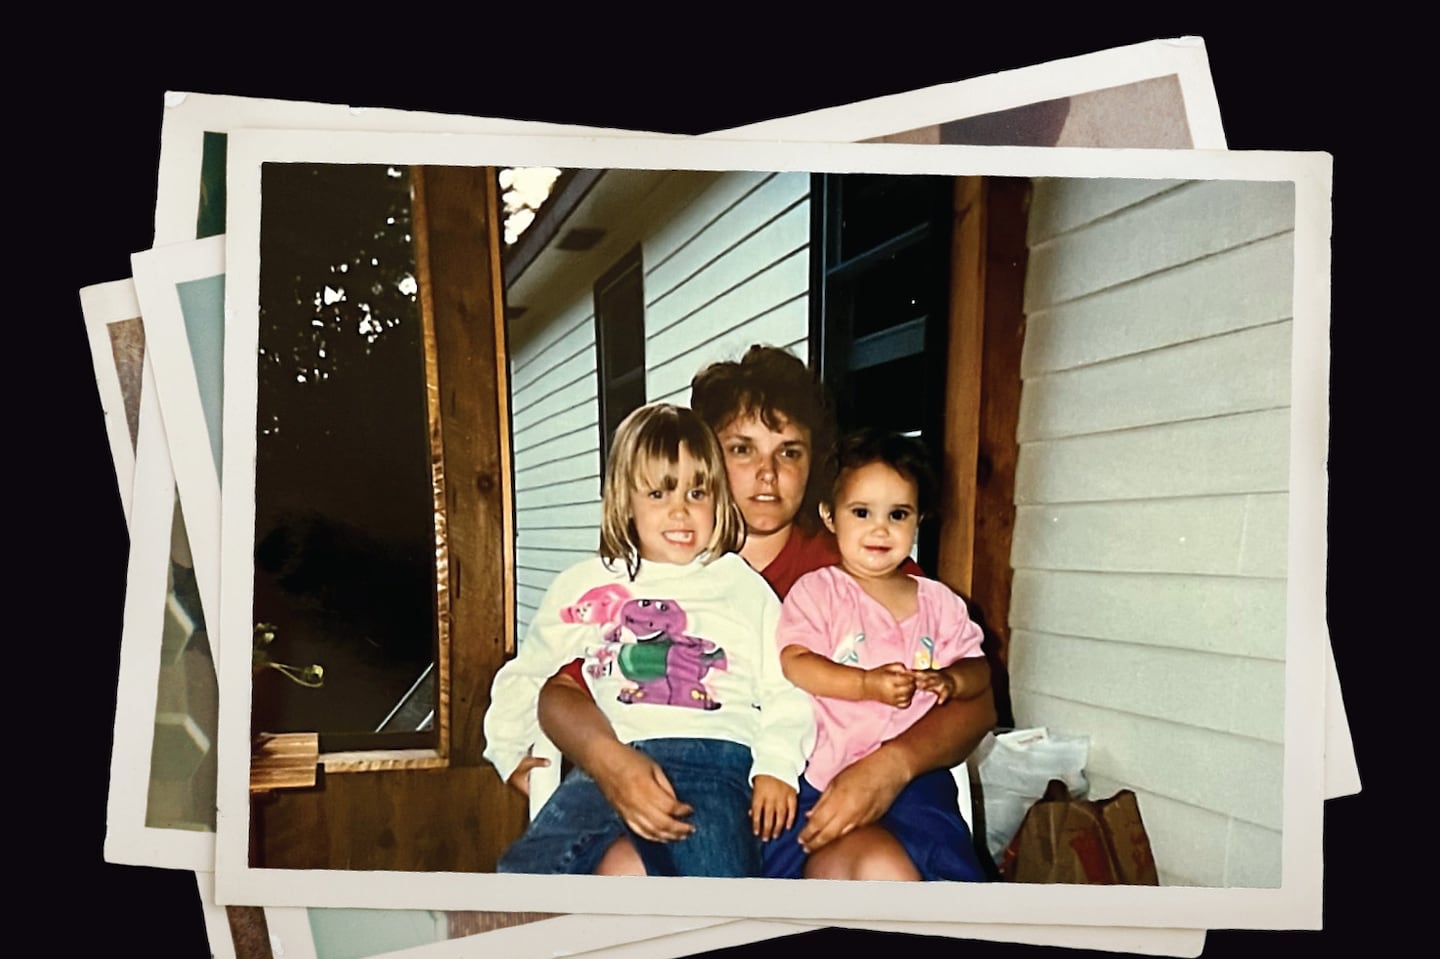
(653, 435)
(773, 385)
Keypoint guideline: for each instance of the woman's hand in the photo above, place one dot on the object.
(520, 778)
(638, 789)
(772, 806)
(862, 792)
(892, 684)
(857, 796)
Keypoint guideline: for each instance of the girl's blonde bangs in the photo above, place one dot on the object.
(645, 451)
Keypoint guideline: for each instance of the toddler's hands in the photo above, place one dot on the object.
(520, 778)
(772, 807)
(937, 681)
(892, 684)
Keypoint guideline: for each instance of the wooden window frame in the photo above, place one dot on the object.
(349, 818)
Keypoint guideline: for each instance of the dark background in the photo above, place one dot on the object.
(82, 161)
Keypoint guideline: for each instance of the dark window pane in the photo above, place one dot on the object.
(620, 309)
(625, 395)
(895, 290)
(344, 512)
(620, 344)
(894, 396)
(876, 207)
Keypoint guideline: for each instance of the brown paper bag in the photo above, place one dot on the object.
(1081, 841)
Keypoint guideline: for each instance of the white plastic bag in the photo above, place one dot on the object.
(1014, 768)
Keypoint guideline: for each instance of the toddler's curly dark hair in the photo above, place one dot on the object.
(906, 455)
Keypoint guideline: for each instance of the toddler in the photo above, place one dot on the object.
(876, 647)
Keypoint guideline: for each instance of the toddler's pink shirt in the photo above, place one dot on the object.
(828, 613)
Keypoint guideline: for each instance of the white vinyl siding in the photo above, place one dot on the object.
(1148, 604)
(726, 264)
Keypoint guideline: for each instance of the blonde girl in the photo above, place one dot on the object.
(706, 738)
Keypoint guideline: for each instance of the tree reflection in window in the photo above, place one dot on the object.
(344, 525)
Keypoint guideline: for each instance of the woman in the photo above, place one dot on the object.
(771, 418)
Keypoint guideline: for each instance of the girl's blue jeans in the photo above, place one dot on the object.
(572, 831)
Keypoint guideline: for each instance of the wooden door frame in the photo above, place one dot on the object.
(449, 811)
(986, 336)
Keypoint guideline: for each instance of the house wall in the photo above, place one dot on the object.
(1151, 495)
(726, 264)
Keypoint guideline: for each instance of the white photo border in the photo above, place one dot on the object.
(1183, 57)
(103, 304)
(157, 274)
(128, 839)
(1295, 904)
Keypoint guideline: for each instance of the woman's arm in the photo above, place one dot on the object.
(942, 738)
(631, 782)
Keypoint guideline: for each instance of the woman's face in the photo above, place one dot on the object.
(767, 469)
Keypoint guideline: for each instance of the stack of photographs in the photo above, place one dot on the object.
(356, 433)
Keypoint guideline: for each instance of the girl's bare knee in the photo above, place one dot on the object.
(620, 859)
(869, 853)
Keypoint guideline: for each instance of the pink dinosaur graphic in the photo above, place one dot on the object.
(666, 664)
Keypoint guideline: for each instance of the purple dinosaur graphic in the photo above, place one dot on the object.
(666, 665)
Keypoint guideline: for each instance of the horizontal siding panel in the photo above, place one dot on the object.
(670, 238)
(559, 444)
(1178, 685)
(1197, 220)
(739, 231)
(1234, 373)
(1059, 205)
(1228, 774)
(1261, 682)
(543, 516)
(529, 596)
(782, 282)
(770, 267)
(557, 494)
(577, 466)
(1216, 614)
(1189, 843)
(567, 375)
(551, 560)
(1267, 529)
(784, 324)
(536, 580)
(1248, 286)
(566, 408)
(680, 396)
(539, 332)
(1248, 453)
(578, 341)
(559, 537)
(1253, 856)
(1219, 535)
